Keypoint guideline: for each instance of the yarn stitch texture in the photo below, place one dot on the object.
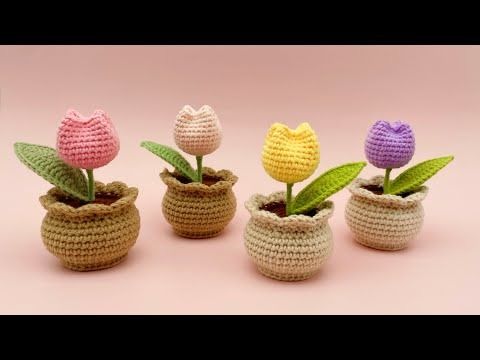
(292, 248)
(384, 222)
(196, 210)
(43, 160)
(93, 236)
(87, 143)
(197, 132)
(290, 156)
(389, 146)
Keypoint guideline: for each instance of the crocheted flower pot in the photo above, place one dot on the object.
(384, 222)
(199, 210)
(93, 236)
(287, 248)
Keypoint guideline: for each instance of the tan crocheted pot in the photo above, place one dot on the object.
(384, 222)
(92, 236)
(289, 248)
(199, 210)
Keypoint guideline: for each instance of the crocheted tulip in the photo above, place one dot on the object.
(390, 146)
(290, 156)
(197, 132)
(87, 142)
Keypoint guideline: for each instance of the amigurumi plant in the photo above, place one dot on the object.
(198, 203)
(288, 237)
(387, 214)
(88, 225)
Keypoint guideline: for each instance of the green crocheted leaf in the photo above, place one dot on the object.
(171, 156)
(325, 185)
(415, 176)
(44, 161)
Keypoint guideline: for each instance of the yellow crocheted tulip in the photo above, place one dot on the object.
(290, 156)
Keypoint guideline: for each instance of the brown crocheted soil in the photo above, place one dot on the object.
(206, 180)
(105, 199)
(275, 207)
(279, 208)
(378, 190)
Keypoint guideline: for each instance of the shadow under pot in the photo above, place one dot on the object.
(199, 210)
(289, 248)
(91, 236)
(383, 222)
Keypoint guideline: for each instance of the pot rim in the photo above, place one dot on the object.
(128, 195)
(227, 180)
(253, 204)
(356, 189)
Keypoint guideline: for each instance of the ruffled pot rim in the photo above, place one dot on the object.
(227, 180)
(356, 188)
(128, 195)
(253, 204)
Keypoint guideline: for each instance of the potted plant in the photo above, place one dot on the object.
(88, 225)
(288, 237)
(198, 203)
(387, 214)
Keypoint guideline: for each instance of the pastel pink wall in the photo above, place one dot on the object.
(340, 90)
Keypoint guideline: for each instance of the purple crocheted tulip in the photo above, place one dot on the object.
(390, 146)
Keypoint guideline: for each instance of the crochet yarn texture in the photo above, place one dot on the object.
(93, 236)
(384, 222)
(292, 248)
(197, 210)
(389, 146)
(290, 156)
(197, 132)
(44, 161)
(87, 143)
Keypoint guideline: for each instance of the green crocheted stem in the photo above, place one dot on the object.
(386, 180)
(324, 186)
(199, 168)
(44, 161)
(414, 177)
(288, 203)
(171, 156)
(91, 185)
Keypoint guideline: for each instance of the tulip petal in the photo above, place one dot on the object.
(290, 156)
(390, 146)
(197, 132)
(87, 142)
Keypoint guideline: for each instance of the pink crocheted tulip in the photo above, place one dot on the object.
(197, 132)
(87, 142)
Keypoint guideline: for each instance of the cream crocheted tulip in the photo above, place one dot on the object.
(290, 156)
(197, 132)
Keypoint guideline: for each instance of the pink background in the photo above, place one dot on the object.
(340, 90)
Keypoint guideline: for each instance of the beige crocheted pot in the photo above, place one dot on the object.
(290, 248)
(197, 210)
(92, 236)
(384, 222)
